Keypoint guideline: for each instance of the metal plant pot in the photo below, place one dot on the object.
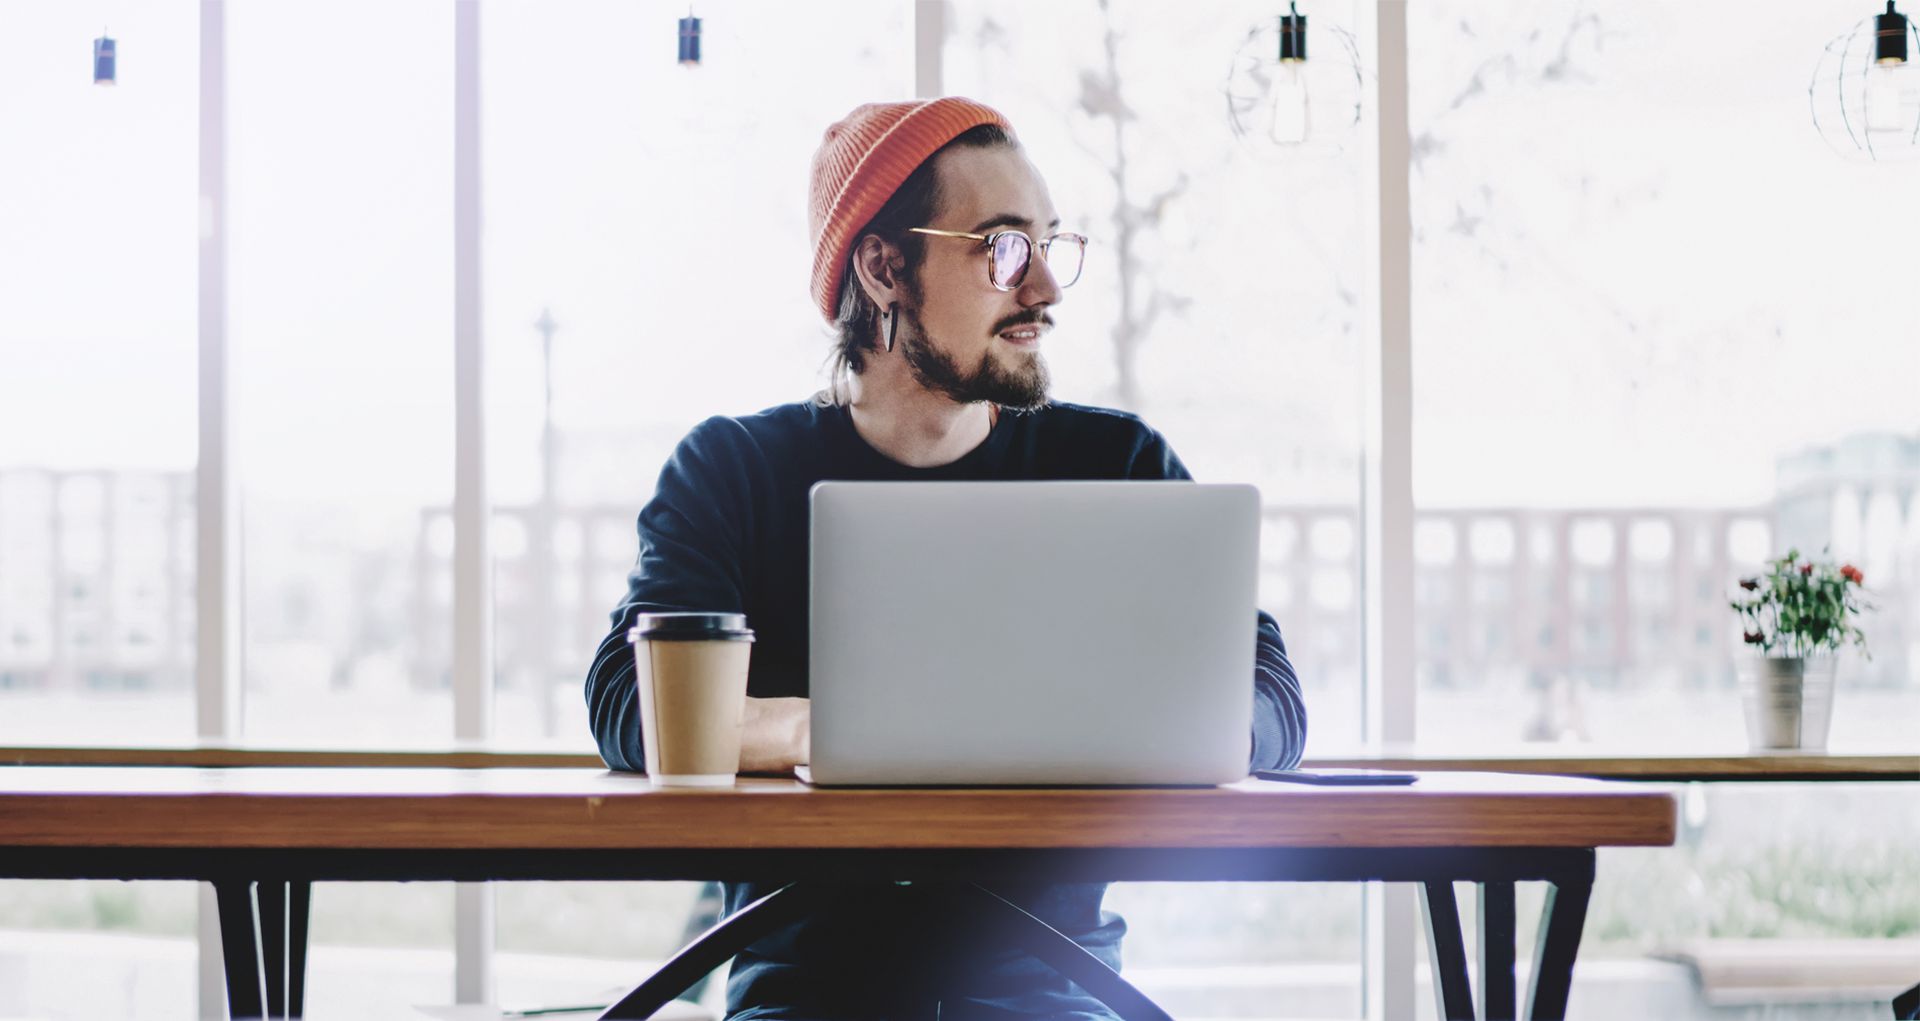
(1789, 702)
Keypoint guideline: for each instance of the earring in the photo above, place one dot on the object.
(890, 321)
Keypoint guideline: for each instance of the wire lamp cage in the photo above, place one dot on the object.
(1865, 93)
(1293, 90)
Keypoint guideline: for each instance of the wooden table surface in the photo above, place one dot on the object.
(596, 809)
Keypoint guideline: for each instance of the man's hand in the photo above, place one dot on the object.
(774, 735)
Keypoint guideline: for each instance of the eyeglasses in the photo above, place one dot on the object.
(1009, 252)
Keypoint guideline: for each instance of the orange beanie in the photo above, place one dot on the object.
(862, 161)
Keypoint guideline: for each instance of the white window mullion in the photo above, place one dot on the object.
(217, 688)
(472, 568)
(472, 564)
(1389, 433)
(1387, 497)
(218, 681)
(929, 40)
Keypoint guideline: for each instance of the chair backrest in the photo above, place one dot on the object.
(1906, 1006)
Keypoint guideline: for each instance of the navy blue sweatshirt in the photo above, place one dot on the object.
(727, 530)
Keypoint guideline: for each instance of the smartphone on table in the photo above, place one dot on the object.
(1338, 777)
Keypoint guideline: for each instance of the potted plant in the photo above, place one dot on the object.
(1798, 614)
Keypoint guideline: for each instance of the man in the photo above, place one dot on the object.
(937, 259)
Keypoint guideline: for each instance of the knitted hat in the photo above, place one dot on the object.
(862, 161)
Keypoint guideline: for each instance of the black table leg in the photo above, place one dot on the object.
(263, 942)
(1496, 941)
(270, 900)
(299, 899)
(283, 945)
(1446, 952)
(1561, 922)
(240, 948)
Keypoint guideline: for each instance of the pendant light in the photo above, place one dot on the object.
(103, 60)
(1891, 73)
(1287, 98)
(1865, 93)
(689, 40)
(1288, 116)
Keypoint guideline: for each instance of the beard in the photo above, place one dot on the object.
(1021, 386)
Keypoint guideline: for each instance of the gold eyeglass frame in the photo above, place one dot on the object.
(1044, 246)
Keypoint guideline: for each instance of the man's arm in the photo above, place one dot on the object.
(774, 736)
(613, 710)
(693, 537)
(1279, 711)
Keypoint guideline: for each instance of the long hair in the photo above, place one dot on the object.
(913, 204)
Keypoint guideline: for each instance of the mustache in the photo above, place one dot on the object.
(1037, 317)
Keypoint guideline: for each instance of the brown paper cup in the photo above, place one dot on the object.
(691, 679)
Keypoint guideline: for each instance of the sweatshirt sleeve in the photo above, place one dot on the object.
(1279, 710)
(692, 538)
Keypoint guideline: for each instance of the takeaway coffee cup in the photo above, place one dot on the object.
(691, 675)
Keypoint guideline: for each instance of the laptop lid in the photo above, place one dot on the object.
(1032, 632)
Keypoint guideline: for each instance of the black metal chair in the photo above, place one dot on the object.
(1906, 1006)
(708, 908)
(976, 908)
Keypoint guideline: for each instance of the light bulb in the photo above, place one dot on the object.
(1287, 122)
(1892, 96)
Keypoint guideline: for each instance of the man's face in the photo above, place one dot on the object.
(962, 336)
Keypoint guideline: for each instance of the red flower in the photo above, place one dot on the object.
(1753, 637)
(1806, 570)
(1852, 574)
(1749, 583)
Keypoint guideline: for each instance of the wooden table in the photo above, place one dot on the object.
(263, 835)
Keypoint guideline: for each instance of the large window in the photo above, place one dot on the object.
(342, 325)
(651, 220)
(97, 231)
(1660, 333)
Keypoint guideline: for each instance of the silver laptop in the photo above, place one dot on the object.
(984, 633)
